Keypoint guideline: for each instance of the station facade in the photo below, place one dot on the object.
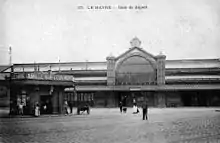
(135, 74)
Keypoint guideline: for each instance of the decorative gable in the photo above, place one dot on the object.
(136, 67)
(135, 50)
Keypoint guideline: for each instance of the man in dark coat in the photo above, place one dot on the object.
(145, 110)
(71, 107)
(120, 106)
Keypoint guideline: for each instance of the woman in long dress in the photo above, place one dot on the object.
(66, 108)
(37, 110)
(135, 108)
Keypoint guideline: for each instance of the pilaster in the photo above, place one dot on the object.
(161, 59)
(110, 71)
(160, 96)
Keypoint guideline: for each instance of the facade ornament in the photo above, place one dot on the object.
(135, 42)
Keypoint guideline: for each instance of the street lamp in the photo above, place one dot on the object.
(10, 90)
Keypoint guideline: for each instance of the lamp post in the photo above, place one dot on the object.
(10, 91)
(10, 78)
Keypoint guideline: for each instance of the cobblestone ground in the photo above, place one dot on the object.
(107, 125)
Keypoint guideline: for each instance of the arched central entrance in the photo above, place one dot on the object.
(135, 70)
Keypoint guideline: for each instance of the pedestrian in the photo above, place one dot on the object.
(37, 110)
(145, 110)
(66, 108)
(20, 109)
(71, 107)
(135, 109)
(134, 102)
(45, 108)
(120, 106)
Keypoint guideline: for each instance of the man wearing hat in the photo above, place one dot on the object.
(145, 110)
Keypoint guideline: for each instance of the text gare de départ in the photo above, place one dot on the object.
(119, 7)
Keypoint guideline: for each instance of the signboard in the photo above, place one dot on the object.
(135, 89)
(43, 76)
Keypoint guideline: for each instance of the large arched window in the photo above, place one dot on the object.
(135, 70)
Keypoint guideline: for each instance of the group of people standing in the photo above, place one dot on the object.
(67, 108)
(136, 109)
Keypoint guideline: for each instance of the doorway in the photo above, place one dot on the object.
(46, 104)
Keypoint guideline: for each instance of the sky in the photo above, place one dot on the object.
(43, 30)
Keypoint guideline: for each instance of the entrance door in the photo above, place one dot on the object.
(46, 104)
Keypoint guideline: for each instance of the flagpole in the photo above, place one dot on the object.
(10, 55)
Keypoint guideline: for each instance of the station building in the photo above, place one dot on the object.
(135, 74)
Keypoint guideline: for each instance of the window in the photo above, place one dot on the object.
(135, 70)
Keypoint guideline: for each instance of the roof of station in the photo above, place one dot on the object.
(85, 66)
(193, 63)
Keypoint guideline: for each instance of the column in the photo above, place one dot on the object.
(60, 97)
(110, 71)
(161, 59)
(34, 96)
(55, 101)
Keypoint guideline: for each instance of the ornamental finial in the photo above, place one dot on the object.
(135, 42)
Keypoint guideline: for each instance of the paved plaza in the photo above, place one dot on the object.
(168, 125)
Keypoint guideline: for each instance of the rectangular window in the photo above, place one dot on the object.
(78, 97)
(75, 97)
(89, 97)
